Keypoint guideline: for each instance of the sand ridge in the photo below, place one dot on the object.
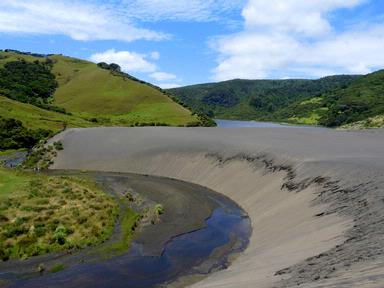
(314, 196)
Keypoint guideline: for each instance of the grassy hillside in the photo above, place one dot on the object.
(254, 99)
(360, 104)
(34, 117)
(92, 93)
(87, 90)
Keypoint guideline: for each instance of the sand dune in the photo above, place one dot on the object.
(315, 196)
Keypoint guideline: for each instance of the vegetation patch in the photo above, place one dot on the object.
(29, 82)
(371, 122)
(361, 100)
(13, 135)
(57, 268)
(42, 155)
(41, 214)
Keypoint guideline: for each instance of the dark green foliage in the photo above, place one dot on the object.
(113, 67)
(13, 135)
(254, 99)
(27, 82)
(58, 145)
(221, 97)
(38, 55)
(362, 99)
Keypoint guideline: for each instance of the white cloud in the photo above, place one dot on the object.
(128, 61)
(80, 20)
(168, 85)
(297, 16)
(163, 76)
(104, 20)
(132, 62)
(295, 38)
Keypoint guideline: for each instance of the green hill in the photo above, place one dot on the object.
(362, 101)
(255, 99)
(34, 117)
(89, 92)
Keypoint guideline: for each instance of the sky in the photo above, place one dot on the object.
(174, 43)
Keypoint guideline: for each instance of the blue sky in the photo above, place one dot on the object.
(182, 42)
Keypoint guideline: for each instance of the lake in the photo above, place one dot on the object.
(237, 123)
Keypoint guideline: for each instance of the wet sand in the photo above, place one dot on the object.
(314, 196)
(188, 212)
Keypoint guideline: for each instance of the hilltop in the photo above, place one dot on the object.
(92, 93)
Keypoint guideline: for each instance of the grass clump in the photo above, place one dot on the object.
(41, 214)
(57, 268)
(129, 223)
(159, 209)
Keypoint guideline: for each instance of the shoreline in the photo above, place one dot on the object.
(173, 225)
(299, 187)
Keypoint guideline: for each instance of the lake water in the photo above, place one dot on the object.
(237, 123)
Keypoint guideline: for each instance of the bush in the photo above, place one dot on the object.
(60, 234)
(13, 135)
(58, 145)
(159, 209)
(27, 82)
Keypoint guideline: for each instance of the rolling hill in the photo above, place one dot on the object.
(91, 94)
(255, 99)
(360, 104)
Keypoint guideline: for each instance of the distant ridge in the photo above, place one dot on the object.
(332, 101)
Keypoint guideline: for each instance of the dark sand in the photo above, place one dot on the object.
(315, 196)
(186, 208)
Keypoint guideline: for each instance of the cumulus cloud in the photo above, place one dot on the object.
(295, 37)
(297, 16)
(128, 61)
(132, 62)
(163, 76)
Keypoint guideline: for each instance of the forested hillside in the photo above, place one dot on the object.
(255, 99)
(362, 101)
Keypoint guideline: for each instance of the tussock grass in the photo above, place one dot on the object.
(41, 214)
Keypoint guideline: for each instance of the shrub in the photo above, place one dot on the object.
(58, 145)
(60, 234)
(159, 209)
